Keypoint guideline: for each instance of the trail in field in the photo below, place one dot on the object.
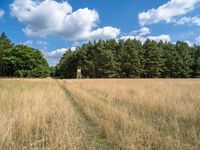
(109, 117)
(32, 118)
(120, 106)
(133, 114)
(91, 114)
(104, 117)
(94, 137)
(125, 123)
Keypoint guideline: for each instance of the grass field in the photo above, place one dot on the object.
(99, 114)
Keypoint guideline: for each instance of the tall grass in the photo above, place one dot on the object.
(35, 114)
(99, 114)
(143, 114)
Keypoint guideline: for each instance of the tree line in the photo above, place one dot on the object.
(104, 59)
(131, 59)
(21, 60)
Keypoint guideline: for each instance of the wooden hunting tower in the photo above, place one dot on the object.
(79, 74)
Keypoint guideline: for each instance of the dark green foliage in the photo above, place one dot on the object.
(67, 66)
(184, 60)
(152, 55)
(21, 61)
(53, 71)
(5, 44)
(131, 59)
(169, 57)
(102, 61)
(130, 64)
(196, 61)
(105, 59)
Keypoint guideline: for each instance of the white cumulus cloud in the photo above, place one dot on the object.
(49, 17)
(189, 43)
(198, 40)
(142, 33)
(28, 43)
(167, 12)
(103, 33)
(41, 43)
(162, 37)
(189, 20)
(54, 56)
(1, 13)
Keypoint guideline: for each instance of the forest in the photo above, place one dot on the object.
(21, 60)
(104, 59)
(131, 59)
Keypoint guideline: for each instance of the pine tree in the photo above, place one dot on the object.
(184, 60)
(85, 55)
(67, 65)
(152, 59)
(112, 45)
(170, 56)
(129, 58)
(104, 63)
(196, 62)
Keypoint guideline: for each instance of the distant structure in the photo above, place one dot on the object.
(79, 74)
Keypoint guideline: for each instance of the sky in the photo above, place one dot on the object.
(53, 26)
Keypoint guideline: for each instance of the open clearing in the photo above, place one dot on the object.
(100, 114)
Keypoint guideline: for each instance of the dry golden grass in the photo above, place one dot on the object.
(35, 114)
(99, 114)
(142, 114)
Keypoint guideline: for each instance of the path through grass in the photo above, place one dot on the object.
(99, 114)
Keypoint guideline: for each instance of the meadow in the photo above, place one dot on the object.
(100, 114)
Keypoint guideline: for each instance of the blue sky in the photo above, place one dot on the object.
(53, 26)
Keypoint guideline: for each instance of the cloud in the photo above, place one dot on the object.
(189, 43)
(142, 33)
(56, 53)
(54, 56)
(28, 43)
(41, 43)
(49, 17)
(163, 37)
(76, 44)
(198, 40)
(1, 13)
(167, 12)
(103, 33)
(189, 20)
(142, 39)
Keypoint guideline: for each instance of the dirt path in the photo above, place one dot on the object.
(94, 137)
